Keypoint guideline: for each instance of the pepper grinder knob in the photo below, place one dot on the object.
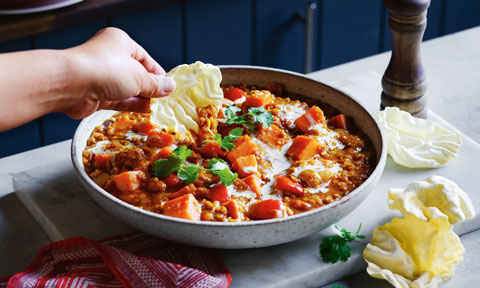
(404, 82)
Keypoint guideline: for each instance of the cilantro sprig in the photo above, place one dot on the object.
(226, 143)
(176, 163)
(334, 248)
(253, 116)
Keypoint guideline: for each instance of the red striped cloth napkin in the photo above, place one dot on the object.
(133, 260)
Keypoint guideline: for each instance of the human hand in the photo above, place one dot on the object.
(111, 71)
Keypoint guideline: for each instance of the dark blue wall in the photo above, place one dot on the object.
(250, 32)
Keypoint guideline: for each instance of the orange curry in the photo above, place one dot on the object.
(264, 154)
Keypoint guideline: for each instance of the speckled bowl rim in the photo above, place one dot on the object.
(378, 169)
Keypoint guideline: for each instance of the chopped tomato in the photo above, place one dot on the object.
(186, 207)
(101, 159)
(303, 148)
(189, 189)
(219, 193)
(233, 94)
(338, 121)
(171, 181)
(311, 118)
(286, 184)
(127, 181)
(267, 209)
(225, 130)
(144, 127)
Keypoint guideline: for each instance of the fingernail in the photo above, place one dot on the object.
(168, 84)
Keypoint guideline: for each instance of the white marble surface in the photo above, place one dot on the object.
(63, 208)
(55, 198)
(21, 237)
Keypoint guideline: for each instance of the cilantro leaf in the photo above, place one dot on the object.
(331, 249)
(220, 167)
(227, 142)
(231, 111)
(335, 248)
(253, 116)
(182, 153)
(165, 167)
(189, 173)
(261, 116)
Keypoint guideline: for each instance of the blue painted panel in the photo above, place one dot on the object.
(27, 136)
(15, 45)
(280, 34)
(219, 31)
(20, 139)
(461, 14)
(434, 24)
(159, 31)
(350, 29)
(57, 126)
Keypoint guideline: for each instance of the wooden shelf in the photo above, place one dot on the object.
(16, 26)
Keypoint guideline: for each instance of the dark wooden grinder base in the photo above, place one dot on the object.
(404, 82)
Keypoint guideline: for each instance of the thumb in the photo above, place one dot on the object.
(152, 86)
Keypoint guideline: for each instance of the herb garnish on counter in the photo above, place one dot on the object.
(334, 248)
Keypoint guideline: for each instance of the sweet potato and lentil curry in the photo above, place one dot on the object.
(264, 154)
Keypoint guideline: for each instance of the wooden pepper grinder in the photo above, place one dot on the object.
(404, 82)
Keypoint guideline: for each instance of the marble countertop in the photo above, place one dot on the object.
(450, 62)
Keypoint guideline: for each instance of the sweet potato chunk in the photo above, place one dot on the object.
(123, 124)
(286, 184)
(127, 181)
(185, 207)
(273, 136)
(211, 150)
(253, 182)
(219, 193)
(312, 117)
(258, 98)
(245, 165)
(189, 189)
(244, 146)
(267, 209)
(303, 148)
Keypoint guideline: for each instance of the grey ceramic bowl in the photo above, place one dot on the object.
(245, 234)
